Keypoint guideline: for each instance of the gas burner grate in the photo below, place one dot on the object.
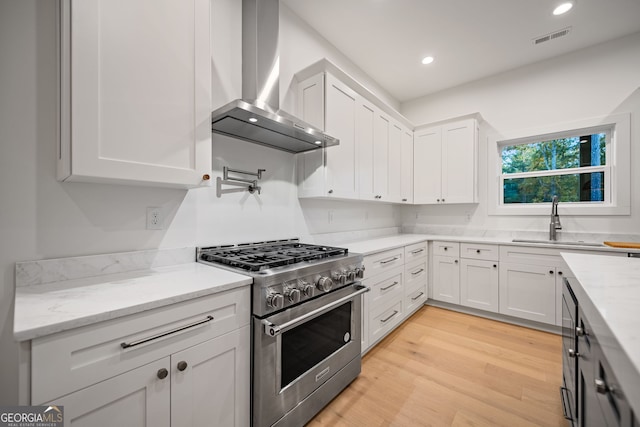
(265, 256)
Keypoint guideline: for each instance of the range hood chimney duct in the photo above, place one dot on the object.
(257, 116)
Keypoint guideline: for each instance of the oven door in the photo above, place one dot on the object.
(298, 350)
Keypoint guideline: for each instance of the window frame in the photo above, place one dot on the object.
(617, 170)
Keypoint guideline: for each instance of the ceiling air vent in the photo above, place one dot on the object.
(551, 36)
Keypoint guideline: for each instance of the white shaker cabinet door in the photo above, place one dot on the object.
(210, 382)
(136, 92)
(395, 163)
(406, 173)
(459, 162)
(528, 291)
(446, 279)
(340, 123)
(381, 156)
(365, 119)
(427, 166)
(479, 284)
(138, 398)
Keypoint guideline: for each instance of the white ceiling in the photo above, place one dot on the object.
(469, 39)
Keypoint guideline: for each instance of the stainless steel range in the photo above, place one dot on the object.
(306, 327)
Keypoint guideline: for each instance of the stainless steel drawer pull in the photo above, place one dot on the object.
(389, 287)
(389, 260)
(415, 273)
(164, 334)
(417, 251)
(417, 296)
(390, 317)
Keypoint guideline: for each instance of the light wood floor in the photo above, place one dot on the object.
(443, 368)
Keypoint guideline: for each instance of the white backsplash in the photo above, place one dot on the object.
(31, 273)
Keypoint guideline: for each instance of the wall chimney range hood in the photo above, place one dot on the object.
(256, 117)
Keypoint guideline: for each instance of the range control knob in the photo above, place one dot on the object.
(360, 272)
(341, 278)
(307, 289)
(293, 295)
(325, 284)
(351, 275)
(275, 300)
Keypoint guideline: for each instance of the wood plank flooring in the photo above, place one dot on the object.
(443, 368)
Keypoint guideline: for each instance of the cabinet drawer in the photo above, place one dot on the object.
(74, 359)
(415, 252)
(383, 261)
(479, 251)
(415, 298)
(385, 287)
(446, 248)
(384, 320)
(415, 273)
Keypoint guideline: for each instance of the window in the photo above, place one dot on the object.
(574, 168)
(585, 164)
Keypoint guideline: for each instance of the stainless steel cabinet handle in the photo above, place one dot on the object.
(573, 353)
(164, 334)
(417, 272)
(581, 332)
(417, 296)
(162, 373)
(417, 251)
(389, 287)
(273, 330)
(389, 260)
(390, 317)
(565, 413)
(601, 386)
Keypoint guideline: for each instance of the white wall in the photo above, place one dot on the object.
(42, 218)
(593, 82)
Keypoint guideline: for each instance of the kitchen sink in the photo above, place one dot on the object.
(557, 242)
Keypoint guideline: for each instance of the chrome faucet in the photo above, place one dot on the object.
(554, 225)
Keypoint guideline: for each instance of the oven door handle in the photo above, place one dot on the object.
(273, 330)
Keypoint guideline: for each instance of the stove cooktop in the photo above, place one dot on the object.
(267, 255)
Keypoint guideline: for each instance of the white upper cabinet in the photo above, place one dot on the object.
(365, 120)
(406, 167)
(445, 163)
(136, 92)
(330, 172)
(374, 160)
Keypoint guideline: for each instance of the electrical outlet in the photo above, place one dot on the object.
(155, 218)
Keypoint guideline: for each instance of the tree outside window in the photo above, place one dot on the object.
(570, 167)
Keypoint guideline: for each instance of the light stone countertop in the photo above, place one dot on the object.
(54, 307)
(372, 246)
(608, 292)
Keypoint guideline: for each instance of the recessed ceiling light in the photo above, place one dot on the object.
(253, 119)
(563, 8)
(427, 60)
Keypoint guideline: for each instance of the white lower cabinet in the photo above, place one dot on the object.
(183, 365)
(397, 290)
(528, 292)
(213, 388)
(446, 279)
(136, 398)
(479, 284)
(466, 274)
